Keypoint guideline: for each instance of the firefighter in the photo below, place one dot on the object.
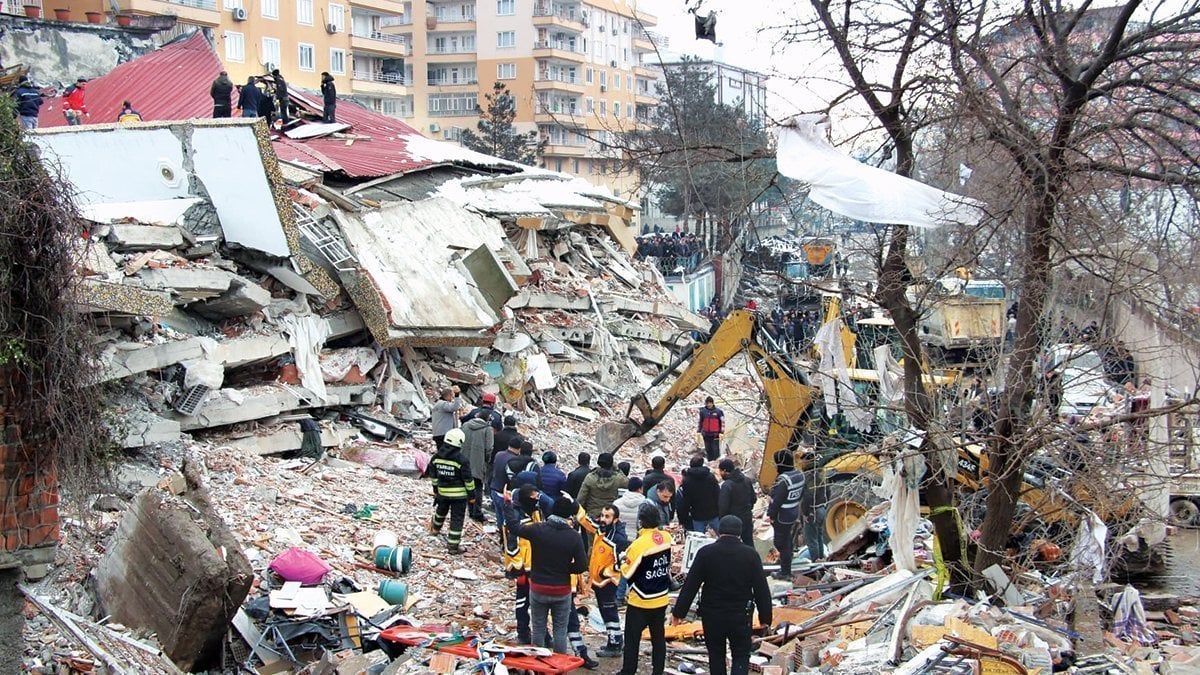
(453, 488)
(608, 543)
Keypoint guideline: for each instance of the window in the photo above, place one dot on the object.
(270, 9)
(337, 17)
(307, 58)
(603, 108)
(587, 75)
(604, 79)
(589, 105)
(558, 164)
(304, 12)
(506, 7)
(506, 39)
(735, 84)
(443, 105)
(337, 61)
(616, 108)
(506, 71)
(577, 166)
(270, 52)
(235, 47)
(234, 4)
(617, 81)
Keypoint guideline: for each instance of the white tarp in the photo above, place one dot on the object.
(859, 191)
(1088, 554)
(306, 335)
(833, 377)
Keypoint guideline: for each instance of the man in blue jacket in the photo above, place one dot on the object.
(29, 102)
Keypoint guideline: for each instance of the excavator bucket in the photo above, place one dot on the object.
(612, 435)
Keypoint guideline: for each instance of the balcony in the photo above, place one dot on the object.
(574, 86)
(378, 42)
(557, 50)
(380, 6)
(453, 21)
(546, 14)
(645, 98)
(378, 82)
(449, 82)
(646, 18)
(561, 116)
(196, 12)
(642, 70)
(641, 43)
(562, 148)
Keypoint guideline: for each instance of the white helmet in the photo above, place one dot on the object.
(454, 438)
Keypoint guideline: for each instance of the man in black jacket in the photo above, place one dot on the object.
(732, 576)
(282, 96)
(657, 473)
(222, 95)
(737, 498)
(29, 102)
(575, 478)
(784, 511)
(503, 438)
(329, 98)
(698, 496)
(557, 553)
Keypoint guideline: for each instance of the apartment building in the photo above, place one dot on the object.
(733, 86)
(576, 67)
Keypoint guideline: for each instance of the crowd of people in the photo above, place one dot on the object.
(263, 96)
(600, 530)
(671, 252)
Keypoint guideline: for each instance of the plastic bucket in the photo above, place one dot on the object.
(393, 558)
(394, 592)
(385, 538)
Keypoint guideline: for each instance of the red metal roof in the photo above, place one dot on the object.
(170, 83)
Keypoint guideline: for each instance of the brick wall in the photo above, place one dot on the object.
(28, 485)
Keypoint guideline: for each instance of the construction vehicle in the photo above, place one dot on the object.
(819, 255)
(954, 327)
(841, 465)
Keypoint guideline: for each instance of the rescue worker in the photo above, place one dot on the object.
(732, 576)
(74, 107)
(29, 101)
(608, 543)
(453, 488)
(784, 510)
(648, 569)
(516, 552)
(487, 403)
(710, 429)
(737, 498)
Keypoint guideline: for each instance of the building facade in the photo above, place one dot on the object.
(575, 67)
(734, 86)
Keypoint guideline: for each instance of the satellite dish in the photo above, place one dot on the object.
(511, 343)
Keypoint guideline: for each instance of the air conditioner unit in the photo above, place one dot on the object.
(331, 28)
(239, 14)
(613, 63)
(614, 30)
(434, 128)
(603, 88)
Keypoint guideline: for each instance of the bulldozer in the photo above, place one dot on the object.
(843, 466)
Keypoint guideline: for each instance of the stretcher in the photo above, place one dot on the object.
(521, 658)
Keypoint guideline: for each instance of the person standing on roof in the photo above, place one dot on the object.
(442, 415)
(731, 575)
(128, 115)
(711, 429)
(648, 569)
(329, 97)
(478, 444)
(282, 95)
(221, 91)
(249, 98)
(74, 108)
(784, 511)
(487, 403)
(29, 101)
(453, 488)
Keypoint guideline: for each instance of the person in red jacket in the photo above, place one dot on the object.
(74, 109)
(711, 428)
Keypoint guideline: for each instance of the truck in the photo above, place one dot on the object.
(955, 327)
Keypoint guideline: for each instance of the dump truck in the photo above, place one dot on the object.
(956, 327)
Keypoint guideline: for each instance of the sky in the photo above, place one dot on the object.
(748, 31)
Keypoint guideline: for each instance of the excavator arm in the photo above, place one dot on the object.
(787, 391)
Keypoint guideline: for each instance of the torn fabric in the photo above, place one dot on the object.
(860, 191)
(306, 335)
(833, 377)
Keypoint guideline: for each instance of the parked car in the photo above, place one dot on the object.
(1075, 379)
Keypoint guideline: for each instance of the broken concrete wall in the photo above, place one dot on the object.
(58, 53)
(176, 569)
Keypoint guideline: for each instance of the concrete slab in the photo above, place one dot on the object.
(143, 433)
(286, 440)
(682, 317)
(230, 406)
(189, 284)
(243, 297)
(180, 577)
(126, 362)
(125, 237)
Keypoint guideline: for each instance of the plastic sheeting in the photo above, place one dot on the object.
(336, 363)
(1088, 554)
(306, 335)
(833, 377)
(891, 375)
(1129, 617)
(859, 191)
(901, 483)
